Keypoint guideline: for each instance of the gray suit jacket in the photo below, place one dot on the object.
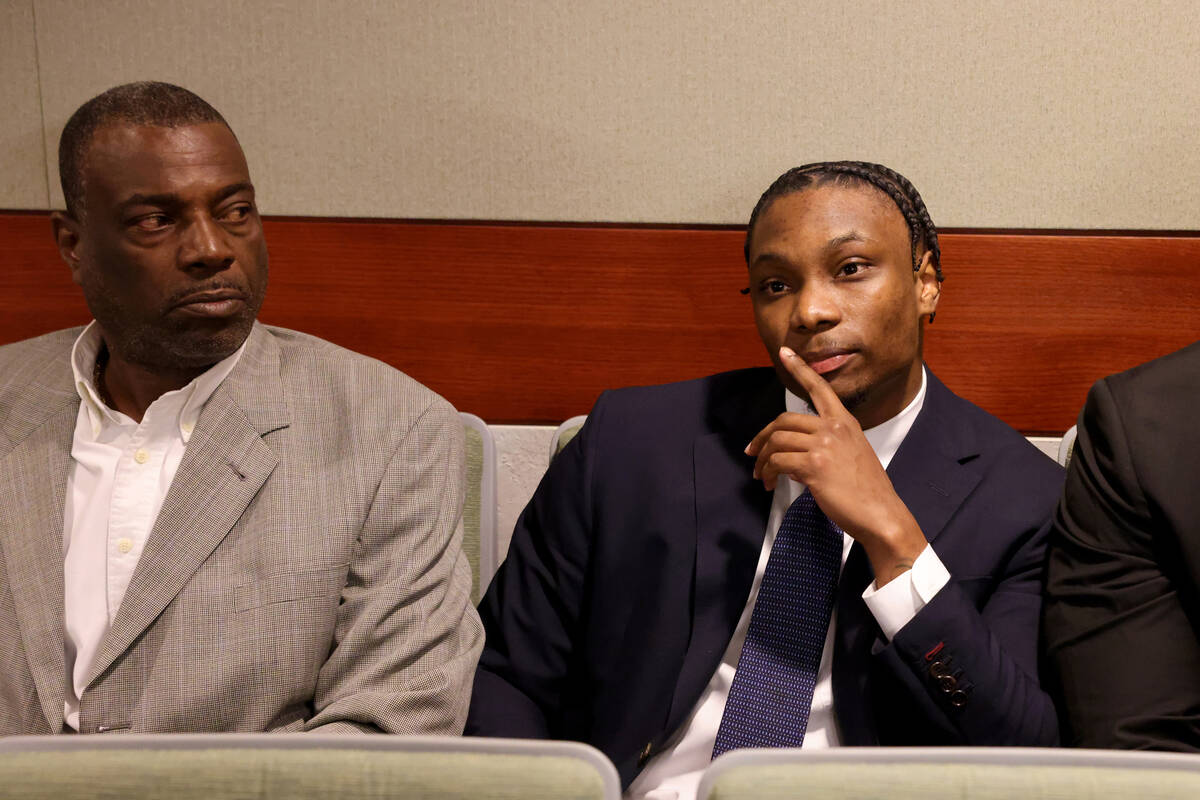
(303, 573)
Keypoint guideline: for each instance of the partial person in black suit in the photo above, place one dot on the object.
(620, 614)
(1122, 619)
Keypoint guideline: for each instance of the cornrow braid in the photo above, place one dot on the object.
(921, 230)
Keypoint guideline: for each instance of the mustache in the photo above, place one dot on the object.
(211, 286)
(824, 346)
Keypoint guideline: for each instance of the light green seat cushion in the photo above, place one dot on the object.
(930, 781)
(266, 774)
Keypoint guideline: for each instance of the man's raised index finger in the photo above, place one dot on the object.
(825, 401)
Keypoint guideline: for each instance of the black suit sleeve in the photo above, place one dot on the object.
(531, 611)
(1120, 639)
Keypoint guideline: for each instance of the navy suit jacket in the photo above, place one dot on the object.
(630, 567)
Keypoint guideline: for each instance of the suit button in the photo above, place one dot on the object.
(644, 756)
(947, 683)
(958, 699)
(939, 669)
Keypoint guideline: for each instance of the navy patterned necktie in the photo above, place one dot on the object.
(776, 673)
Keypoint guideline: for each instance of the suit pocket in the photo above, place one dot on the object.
(289, 586)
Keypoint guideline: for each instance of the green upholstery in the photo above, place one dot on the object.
(565, 433)
(470, 515)
(1066, 447)
(215, 771)
(478, 525)
(958, 774)
(265, 774)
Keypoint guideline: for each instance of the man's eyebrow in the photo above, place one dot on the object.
(831, 245)
(766, 258)
(845, 238)
(148, 200)
(234, 188)
(167, 199)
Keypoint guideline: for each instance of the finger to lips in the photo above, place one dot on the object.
(825, 401)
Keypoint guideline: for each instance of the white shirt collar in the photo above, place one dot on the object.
(885, 438)
(189, 400)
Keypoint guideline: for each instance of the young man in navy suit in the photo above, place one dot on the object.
(836, 551)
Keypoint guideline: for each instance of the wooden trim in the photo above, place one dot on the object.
(528, 322)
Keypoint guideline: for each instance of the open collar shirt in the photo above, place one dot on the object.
(119, 475)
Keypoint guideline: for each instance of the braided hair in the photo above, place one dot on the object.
(921, 230)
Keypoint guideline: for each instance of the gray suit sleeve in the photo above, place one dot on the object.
(407, 637)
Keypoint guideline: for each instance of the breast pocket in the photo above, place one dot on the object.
(290, 586)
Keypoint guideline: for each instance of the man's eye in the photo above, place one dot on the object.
(852, 268)
(773, 287)
(153, 222)
(238, 213)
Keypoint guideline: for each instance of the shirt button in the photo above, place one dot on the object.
(188, 428)
(124, 545)
(141, 456)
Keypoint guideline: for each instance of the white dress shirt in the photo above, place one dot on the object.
(119, 475)
(674, 774)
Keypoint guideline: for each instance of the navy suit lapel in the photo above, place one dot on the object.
(932, 474)
(731, 518)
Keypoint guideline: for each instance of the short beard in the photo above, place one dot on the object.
(161, 346)
(855, 399)
(160, 349)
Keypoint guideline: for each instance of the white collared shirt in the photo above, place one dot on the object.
(674, 774)
(118, 478)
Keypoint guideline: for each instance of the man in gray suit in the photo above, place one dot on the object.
(207, 524)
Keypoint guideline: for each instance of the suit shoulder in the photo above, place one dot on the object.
(1175, 375)
(1003, 446)
(681, 396)
(1148, 411)
(35, 382)
(329, 373)
(636, 421)
(33, 354)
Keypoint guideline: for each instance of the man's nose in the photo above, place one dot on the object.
(206, 245)
(815, 308)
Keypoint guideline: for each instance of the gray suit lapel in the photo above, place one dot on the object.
(31, 524)
(224, 466)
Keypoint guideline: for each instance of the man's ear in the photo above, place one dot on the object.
(67, 238)
(928, 287)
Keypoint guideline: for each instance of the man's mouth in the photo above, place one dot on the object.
(825, 361)
(213, 303)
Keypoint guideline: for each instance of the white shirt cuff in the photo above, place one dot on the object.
(900, 599)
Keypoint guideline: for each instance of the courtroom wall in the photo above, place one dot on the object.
(1011, 114)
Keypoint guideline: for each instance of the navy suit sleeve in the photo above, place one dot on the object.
(1119, 638)
(978, 667)
(971, 654)
(531, 611)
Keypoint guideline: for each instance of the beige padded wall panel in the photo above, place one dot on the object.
(1017, 114)
(22, 148)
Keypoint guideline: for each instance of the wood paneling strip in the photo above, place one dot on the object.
(528, 323)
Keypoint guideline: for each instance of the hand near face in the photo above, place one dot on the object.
(830, 455)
